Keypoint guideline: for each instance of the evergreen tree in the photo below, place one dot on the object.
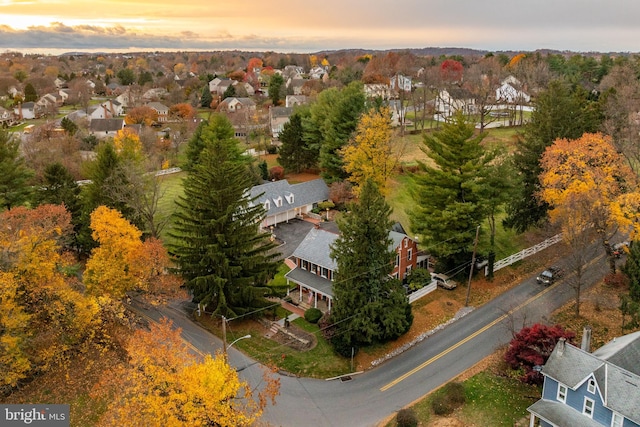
(295, 155)
(632, 269)
(341, 122)
(69, 126)
(276, 89)
(370, 306)
(560, 112)
(59, 188)
(229, 92)
(222, 254)
(30, 94)
(206, 99)
(14, 175)
(448, 196)
(219, 128)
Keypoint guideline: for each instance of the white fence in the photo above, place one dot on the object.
(524, 253)
(414, 296)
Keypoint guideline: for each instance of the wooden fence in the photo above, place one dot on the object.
(524, 253)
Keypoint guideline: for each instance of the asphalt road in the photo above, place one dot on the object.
(370, 397)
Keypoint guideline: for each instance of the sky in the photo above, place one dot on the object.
(297, 26)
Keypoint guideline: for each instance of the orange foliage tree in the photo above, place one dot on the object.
(593, 194)
(163, 384)
(141, 115)
(182, 111)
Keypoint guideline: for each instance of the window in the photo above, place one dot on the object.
(267, 205)
(324, 272)
(397, 260)
(562, 393)
(617, 420)
(409, 254)
(305, 265)
(591, 387)
(587, 408)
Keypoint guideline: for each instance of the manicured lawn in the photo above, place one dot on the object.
(171, 186)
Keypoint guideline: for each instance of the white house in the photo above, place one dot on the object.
(107, 110)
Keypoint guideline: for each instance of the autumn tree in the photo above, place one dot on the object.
(143, 115)
(592, 192)
(182, 111)
(448, 196)
(109, 269)
(222, 254)
(481, 81)
(44, 319)
(560, 112)
(532, 346)
(14, 175)
(370, 306)
(372, 153)
(163, 384)
(451, 71)
(295, 153)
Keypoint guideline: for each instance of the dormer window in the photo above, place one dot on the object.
(267, 205)
(278, 201)
(591, 386)
(289, 198)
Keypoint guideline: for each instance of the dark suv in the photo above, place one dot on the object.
(549, 276)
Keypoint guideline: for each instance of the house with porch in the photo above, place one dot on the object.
(314, 269)
(284, 201)
(591, 389)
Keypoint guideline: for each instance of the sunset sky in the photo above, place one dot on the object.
(309, 26)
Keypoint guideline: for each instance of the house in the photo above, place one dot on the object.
(218, 86)
(284, 201)
(234, 105)
(109, 109)
(7, 118)
(161, 109)
(449, 102)
(377, 90)
(26, 111)
(400, 83)
(278, 117)
(591, 389)
(293, 100)
(317, 72)
(103, 128)
(314, 269)
(154, 94)
(295, 85)
(507, 93)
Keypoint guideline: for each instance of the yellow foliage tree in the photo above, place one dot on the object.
(164, 385)
(127, 143)
(592, 193)
(108, 270)
(34, 287)
(372, 152)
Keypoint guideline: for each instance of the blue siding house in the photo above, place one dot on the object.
(591, 389)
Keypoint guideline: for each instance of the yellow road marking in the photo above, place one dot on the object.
(467, 339)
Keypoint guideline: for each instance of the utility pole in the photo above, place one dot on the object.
(473, 265)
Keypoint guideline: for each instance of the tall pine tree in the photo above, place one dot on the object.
(370, 306)
(448, 196)
(216, 241)
(14, 175)
(295, 154)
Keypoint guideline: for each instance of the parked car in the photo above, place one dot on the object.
(619, 249)
(443, 281)
(550, 275)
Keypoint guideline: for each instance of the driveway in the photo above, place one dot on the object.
(294, 232)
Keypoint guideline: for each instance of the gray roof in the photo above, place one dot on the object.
(570, 366)
(281, 111)
(107, 125)
(619, 386)
(623, 352)
(304, 193)
(310, 280)
(316, 248)
(396, 239)
(560, 414)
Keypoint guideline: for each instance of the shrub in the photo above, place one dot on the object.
(448, 399)
(276, 173)
(272, 149)
(406, 418)
(312, 315)
(418, 278)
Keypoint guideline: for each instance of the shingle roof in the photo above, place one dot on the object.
(311, 280)
(107, 125)
(304, 193)
(316, 248)
(560, 414)
(623, 352)
(570, 366)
